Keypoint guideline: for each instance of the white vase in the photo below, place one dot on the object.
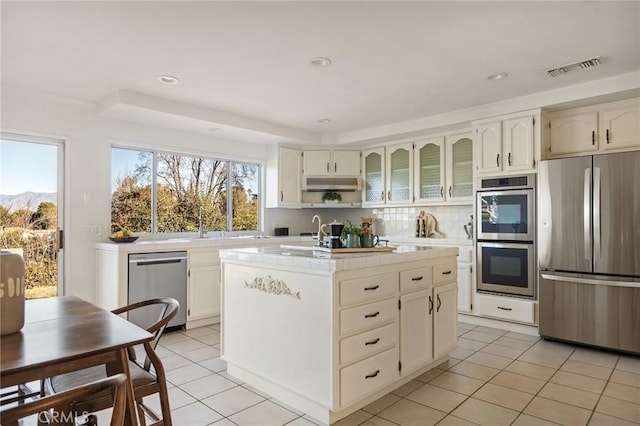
(11, 292)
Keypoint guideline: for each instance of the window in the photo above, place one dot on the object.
(179, 188)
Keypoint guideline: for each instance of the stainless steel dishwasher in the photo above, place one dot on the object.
(154, 275)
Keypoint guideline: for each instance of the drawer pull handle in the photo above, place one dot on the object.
(446, 272)
(375, 287)
(372, 315)
(505, 309)
(416, 278)
(372, 342)
(372, 375)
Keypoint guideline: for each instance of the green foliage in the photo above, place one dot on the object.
(330, 196)
(351, 228)
(46, 216)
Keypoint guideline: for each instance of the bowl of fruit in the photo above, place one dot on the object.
(123, 236)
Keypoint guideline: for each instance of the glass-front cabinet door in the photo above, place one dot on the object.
(459, 157)
(374, 179)
(399, 174)
(429, 170)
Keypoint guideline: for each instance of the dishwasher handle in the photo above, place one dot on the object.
(160, 261)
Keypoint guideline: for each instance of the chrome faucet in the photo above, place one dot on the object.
(319, 228)
(201, 229)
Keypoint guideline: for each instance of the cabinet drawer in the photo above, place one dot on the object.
(203, 258)
(367, 376)
(369, 288)
(368, 343)
(445, 272)
(506, 308)
(368, 316)
(416, 278)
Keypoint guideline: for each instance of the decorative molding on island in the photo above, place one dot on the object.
(368, 322)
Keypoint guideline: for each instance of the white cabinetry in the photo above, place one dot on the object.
(203, 290)
(459, 167)
(335, 163)
(505, 308)
(373, 171)
(445, 319)
(283, 188)
(465, 279)
(399, 164)
(428, 157)
(507, 144)
(599, 128)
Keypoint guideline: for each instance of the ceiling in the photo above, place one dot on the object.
(244, 66)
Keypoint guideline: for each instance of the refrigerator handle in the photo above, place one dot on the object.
(586, 210)
(596, 212)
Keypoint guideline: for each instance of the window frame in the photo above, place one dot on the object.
(229, 200)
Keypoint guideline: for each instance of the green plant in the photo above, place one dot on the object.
(330, 196)
(351, 228)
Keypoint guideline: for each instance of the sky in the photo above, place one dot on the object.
(26, 166)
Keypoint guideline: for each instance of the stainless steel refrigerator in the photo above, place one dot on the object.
(589, 250)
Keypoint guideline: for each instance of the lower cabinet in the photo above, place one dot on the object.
(445, 319)
(203, 285)
(416, 329)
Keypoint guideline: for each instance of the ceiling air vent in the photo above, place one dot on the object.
(589, 63)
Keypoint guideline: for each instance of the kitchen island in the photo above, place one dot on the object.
(330, 333)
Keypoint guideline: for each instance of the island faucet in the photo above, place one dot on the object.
(201, 229)
(319, 228)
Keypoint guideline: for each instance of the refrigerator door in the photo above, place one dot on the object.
(616, 214)
(564, 214)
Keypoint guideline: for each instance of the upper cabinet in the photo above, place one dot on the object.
(331, 163)
(373, 176)
(428, 159)
(507, 144)
(399, 161)
(600, 128)
(283, 188)
(459, 167)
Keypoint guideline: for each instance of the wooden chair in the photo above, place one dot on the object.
(62, 408)
(146, 380)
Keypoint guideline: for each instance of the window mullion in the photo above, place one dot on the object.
(229, 198)
(154, 197)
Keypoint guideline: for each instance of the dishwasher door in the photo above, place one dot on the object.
(154, 275)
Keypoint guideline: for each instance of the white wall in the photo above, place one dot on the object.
(88, 164)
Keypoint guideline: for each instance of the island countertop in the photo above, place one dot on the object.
(306, 257)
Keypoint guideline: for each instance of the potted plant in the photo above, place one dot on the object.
(331, 197)
(351, 233)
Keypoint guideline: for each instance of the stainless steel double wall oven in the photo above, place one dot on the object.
(506, 234)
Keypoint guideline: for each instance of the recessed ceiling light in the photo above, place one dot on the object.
(324, 120)
(320, 62)
(498, 76)
(169, 79)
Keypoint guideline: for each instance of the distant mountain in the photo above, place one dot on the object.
(30, 200)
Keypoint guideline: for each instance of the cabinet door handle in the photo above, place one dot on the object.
(509, 158)
(382, 196)
(450, 191)
(372, 375)
(281, 196)
(372, 315)
(375, 287)
(446, 272)
(335, 167)
(593, 137)
(498, 160)
(607, 136)
(389, 195)
(439, 303)
(372, 342)
(416, 278)
(430, 305)
(441, 191)
(505, 309)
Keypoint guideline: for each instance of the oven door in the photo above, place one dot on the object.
(506, 215)
(506, 268)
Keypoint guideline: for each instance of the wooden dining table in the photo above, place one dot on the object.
(64, 334)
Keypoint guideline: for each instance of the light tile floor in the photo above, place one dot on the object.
(494, 377)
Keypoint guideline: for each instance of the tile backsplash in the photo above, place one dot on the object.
(389, 221)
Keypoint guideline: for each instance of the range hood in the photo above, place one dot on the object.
(330, 183)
